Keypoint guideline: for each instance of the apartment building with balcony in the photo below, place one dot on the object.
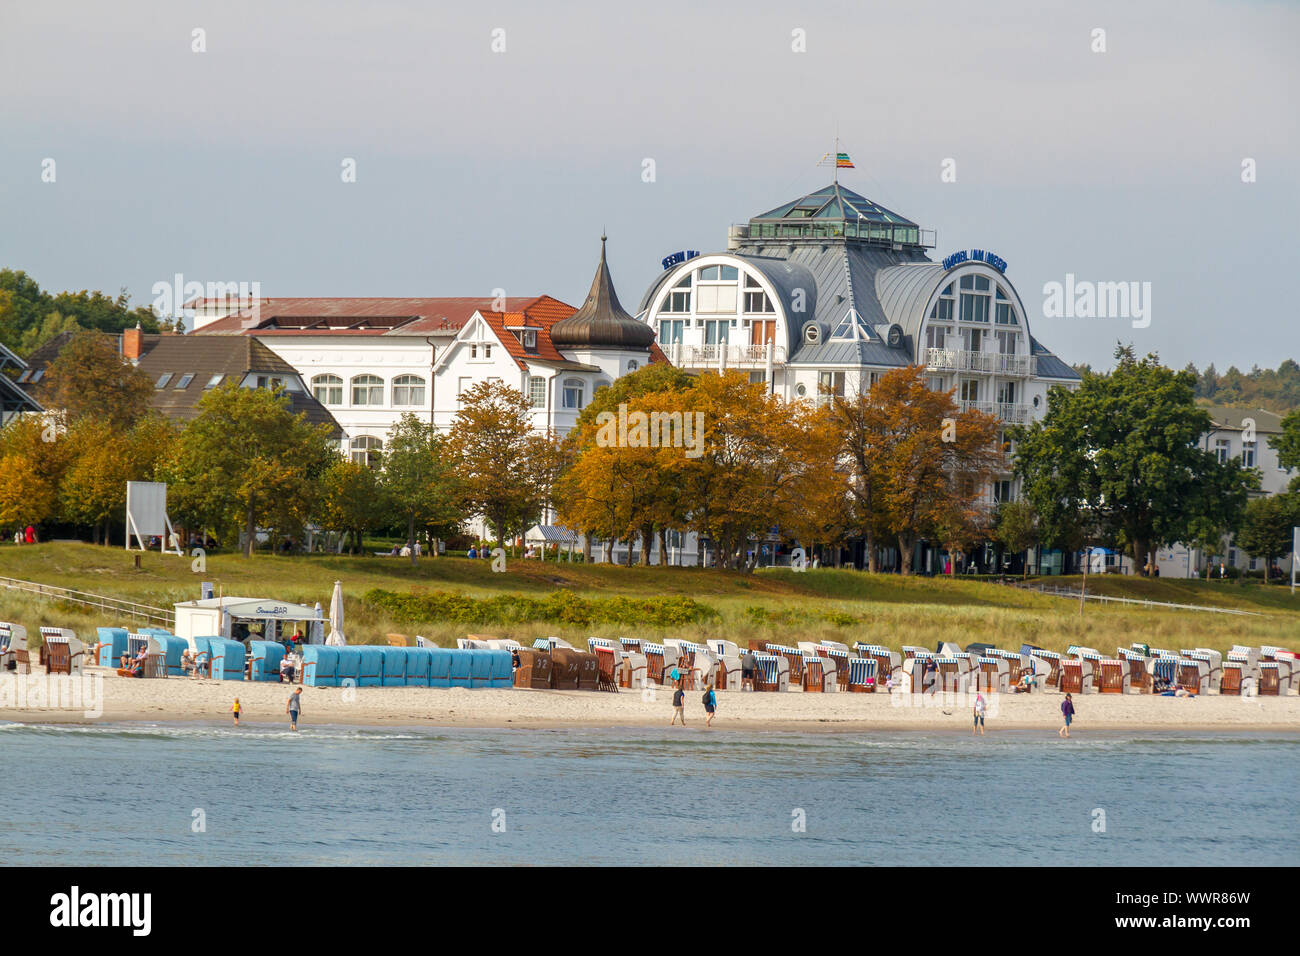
(824, 294)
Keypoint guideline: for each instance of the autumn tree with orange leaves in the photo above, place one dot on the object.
(917, 463)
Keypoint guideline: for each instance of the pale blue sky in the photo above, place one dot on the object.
(479, 170)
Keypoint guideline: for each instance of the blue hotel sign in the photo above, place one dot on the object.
(976, 255)
(677, 258)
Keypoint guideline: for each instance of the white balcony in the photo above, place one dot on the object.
(990, 363)
(725, 356)
(1009, 412)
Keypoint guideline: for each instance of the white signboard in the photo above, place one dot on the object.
(146, 513)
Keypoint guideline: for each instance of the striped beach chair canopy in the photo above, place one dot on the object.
(836, 646)
(769, 664)
(630, 643)
(1131, 655)
(923, 655)
(1237, 658)
(135, 643)
(1164, 667)
(648, 648)
(604, 643)
(542, 644)
(992, 660)
(1267, 650)
(1045, 655)
(1091, 655)
(838, 654)
(1241, 649)
(861, 670)
(871, 649)
(909, 649)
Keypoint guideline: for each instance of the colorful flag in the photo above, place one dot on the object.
(838, 160)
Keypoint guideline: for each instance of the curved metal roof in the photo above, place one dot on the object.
(904, 290)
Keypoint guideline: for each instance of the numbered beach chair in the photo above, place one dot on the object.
(862, 675)
(1112, 676)
(1194, 675)
(1230, 683)
(1053, 661)
(1270, 684)
(773, 672)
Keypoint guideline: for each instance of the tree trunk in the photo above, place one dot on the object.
(662, 534)
(250, 530)
(904, 554)
(410, 536)
(872, 564)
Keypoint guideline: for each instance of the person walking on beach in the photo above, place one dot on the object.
(679, 706)
(1067, 711)
(235, 710)
(710, 704)
(931, 675)
(294, 707)
(979, 714)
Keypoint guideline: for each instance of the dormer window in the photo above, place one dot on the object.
(185, 380)
(163, 379)
(530, 339)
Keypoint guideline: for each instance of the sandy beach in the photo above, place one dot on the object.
(173, 699)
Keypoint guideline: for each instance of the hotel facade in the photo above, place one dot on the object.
(819, 296)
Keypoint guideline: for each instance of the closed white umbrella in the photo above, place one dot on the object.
(336, 617)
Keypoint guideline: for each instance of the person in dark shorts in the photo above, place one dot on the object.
(679, 706)
(294, 707)
(748, 668)
(710, 704)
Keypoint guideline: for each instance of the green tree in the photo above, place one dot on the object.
(1266, 528)
(501, 463)
(418, 478)
(1016, 528)
(352, 500)
(1122, 452)
(89, 379)
(101, 460)
(247, 460)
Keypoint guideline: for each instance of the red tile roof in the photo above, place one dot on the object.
(540, 314)
(379, 316)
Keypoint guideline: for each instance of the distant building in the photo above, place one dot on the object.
(823, 294)
(369, 361)
(1239, 434)
(14, 399)
(184, 368)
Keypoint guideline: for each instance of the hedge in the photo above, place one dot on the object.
(559, 607)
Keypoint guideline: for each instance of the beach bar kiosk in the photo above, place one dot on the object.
(238, 618)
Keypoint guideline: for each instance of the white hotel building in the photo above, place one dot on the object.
(823, 293)
(370, 361)
(829, 291)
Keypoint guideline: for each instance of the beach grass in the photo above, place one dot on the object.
(776, 604)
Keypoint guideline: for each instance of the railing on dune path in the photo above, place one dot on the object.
(138, 612)
(1071, 593)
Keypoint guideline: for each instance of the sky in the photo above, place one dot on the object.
(494, 141)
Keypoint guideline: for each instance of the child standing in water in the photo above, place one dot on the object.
(235, 709)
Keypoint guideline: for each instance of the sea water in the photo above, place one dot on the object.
(178, 794)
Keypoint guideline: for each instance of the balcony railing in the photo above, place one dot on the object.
(1006, 411)
(990, 363)
(724, 356)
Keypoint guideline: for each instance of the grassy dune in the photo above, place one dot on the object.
(780, 605)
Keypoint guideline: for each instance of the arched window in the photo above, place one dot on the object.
(408, 390)
(632, 366)
(328, 389)
(574, 391)
(367, 390)
(366, 450)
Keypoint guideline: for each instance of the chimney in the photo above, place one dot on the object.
(132, 343)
